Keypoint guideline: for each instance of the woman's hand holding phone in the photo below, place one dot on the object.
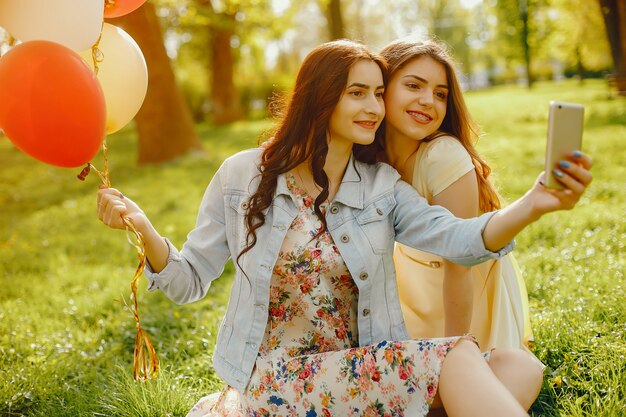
(572, 173)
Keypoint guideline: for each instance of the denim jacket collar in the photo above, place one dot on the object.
(350, 191)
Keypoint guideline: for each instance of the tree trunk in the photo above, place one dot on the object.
(525, 45)
(580, 67)
(225, 98)
(614, 12)
(164, 122)
(335, 20)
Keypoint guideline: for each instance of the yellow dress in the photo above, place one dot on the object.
(500, 316)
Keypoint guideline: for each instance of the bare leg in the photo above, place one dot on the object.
(468, 387)
(520, 373)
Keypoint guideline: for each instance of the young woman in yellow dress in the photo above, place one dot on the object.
(429, 138)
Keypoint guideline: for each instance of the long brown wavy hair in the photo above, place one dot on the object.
(458, 121)
(301, 134)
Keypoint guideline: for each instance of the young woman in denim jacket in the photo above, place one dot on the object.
(314, 325)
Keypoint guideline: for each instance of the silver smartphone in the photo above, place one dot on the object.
(565, 134)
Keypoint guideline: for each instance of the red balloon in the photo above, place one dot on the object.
(51, 104)
(117, 8)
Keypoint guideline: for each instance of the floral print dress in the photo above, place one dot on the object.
(310, 363)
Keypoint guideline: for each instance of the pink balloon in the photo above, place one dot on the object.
(51, 105)
(117, 8)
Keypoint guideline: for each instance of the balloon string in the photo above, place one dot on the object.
(145, 361)
(96, 54)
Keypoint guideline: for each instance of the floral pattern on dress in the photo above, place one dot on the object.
(310, 363)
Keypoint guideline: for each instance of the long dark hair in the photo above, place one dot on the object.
(458, 121)
(301, 134)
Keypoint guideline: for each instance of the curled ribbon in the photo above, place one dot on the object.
(145, 361)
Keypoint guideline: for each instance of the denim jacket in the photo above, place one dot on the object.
(372, 208)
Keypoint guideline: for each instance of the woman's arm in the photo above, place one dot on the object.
(472, 241)
(113, 206)
(184, 276)
(461, 198)
(539, 200)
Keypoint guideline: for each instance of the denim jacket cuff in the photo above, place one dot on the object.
(157, 280)
(478, 245)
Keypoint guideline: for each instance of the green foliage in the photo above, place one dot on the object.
(579, 37)
(66, 336)
(190, 24)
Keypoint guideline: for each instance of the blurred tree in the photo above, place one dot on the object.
(220, 49)
(449, 22)
(576, 39)
(225, 97)
(164, 122)
(444, 20)
(334, 16)
(614, 12)
(523, 27)
(523, 15)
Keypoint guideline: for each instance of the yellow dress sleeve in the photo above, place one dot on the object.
(442, 162)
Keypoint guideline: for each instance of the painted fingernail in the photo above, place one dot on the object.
(557, 173)
(564, 164)
(577, 154)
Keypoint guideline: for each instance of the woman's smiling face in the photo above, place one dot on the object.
(360, 109)
(416, 98)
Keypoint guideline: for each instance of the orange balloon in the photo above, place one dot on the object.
(117, 8)
(51, 104)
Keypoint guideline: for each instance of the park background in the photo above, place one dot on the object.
(66, 336)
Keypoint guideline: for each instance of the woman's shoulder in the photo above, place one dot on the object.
(443, 146)
(244, 157)
(444, 161)
(238, 170)
(243, 162)
(378, 170)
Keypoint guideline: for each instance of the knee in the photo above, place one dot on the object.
(519, 362)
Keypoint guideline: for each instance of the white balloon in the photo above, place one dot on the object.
(123, 75)
(75, 24)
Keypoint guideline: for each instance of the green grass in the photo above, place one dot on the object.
(66, 336)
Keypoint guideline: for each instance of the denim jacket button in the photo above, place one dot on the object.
(334, 209)
(363, 276)
(244, 205)
(379, 211)
(366, 312)
(345, 238)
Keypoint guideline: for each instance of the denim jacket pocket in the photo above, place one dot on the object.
(375, 221)
(238, 204)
